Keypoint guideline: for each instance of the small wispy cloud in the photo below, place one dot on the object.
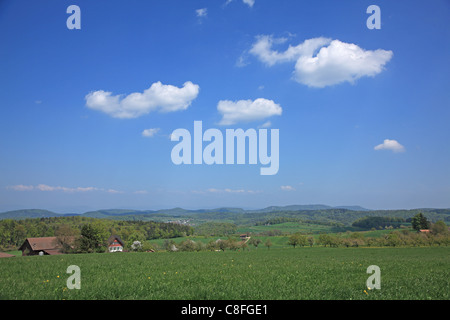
(225, 191)
(266, 124)
(250, 3)
(287, 188)
(150, 132)
(20, 187)
(392, 145)
(47, 188)
(203, 12)
(113, 191)
(242, 60)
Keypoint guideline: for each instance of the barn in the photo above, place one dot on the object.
(40, 246)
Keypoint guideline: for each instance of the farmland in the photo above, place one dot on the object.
(275, 273)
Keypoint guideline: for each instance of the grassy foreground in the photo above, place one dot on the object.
(285, 273)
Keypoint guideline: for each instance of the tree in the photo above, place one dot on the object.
(268, 243)
(297, 239)
(325, 239)
(419, 221)
(65, 237)
(310, 241)
(221, 244)
(439, 227)
(92, 238)
(255, 242)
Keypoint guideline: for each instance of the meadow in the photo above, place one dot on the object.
(257, 274)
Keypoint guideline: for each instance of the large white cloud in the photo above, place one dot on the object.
(392, 145)
(339, 62)
(159, 97)
(322, 62)
(247, 110)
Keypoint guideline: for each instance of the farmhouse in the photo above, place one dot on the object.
(115, 244)
(40, 246)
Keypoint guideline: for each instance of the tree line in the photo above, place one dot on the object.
(14, 232)
(438, 234)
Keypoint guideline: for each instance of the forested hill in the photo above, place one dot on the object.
(342, 215)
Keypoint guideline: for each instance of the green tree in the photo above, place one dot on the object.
(268, 243)
(92, 238)
(310, 241)
(419, 221)
(255, 242)
(65, 236)
(439, 228)
(325, 239)
(297, 240)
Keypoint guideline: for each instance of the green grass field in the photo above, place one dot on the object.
(258, 274)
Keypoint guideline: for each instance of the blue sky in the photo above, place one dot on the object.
(86, 115)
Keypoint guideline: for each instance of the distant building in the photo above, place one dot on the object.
(40, 246)
(115, 244)
(425, 230)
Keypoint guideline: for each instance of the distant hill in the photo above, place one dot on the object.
(353, 208)
(315, 212)
(307, 207)
(28, 213)
(111, 213)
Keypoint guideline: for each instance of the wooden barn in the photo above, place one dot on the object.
(115, 244)
(40, 246)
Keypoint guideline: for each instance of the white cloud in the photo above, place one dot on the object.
(113, 191)
(340, 62)
(44, 187)
(241, 61)
(226, 190)
(287, 188)
(321, 61)
(247, 110)
(150, 132)
(250, 3)
(266, 124)
(203, 12)
(262, 49)
(47, 188)
(159, 97)
(20, 187)
(392, 145)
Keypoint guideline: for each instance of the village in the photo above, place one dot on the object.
(52, 246)
(42, 246)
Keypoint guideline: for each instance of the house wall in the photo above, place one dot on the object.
(115, 247)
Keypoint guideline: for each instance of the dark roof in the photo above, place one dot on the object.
(114, 237)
